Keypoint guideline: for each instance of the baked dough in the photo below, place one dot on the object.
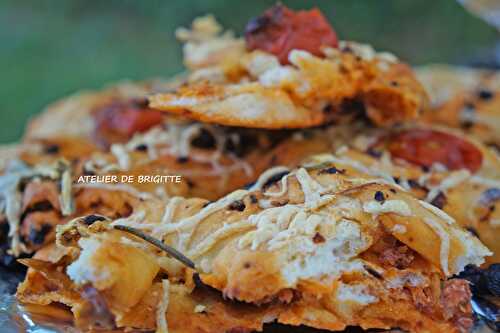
(325, 239)
(231, 86)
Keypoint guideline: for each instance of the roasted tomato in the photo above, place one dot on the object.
(426, 147)
(280, 30)
(117, 122)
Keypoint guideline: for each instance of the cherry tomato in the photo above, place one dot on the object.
(119, 121)
(426, 147)
(280, 30)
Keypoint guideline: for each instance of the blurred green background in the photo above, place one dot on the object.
(51, 48)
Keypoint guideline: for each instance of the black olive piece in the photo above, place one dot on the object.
(253, 198)
(354, 106)
(141, 147)
(373, 272)
(331, 171)
(485, 94)
(246, 143)
(41, 206)
(275, 178)
(189, 183)
(439, 201)
(374, 153)
(472, 231)
(90, 219)
(182, 159)
(379, 196)
(328, 108)
(238, 205)
(489, 196)
(414, 184)
(37, 237)
(466, 124)
(140, 102)
(469, 107)
(51, 149)
(204, 140)
(425, 168)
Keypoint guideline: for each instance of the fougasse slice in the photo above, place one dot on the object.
(294, 73)
(328, 243)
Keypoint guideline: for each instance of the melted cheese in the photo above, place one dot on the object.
(406, 278)
(399, 229)
(356, 293)
(257, 63)
(474, 251)
(200, 308)
(332, 258)
(389, 206)
(83, 270)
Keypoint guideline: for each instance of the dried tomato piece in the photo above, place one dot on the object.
(426, 147)
(117, 122)
(280, 30)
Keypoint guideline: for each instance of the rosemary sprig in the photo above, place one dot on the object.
(158, 243)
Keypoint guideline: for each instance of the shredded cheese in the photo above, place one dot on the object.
(121, 155)
(190, 223)
(266, 175)
(493, 183)
(161, 311)
(200, 308)
(65, 198)
(444, 250)
(452, 180)
(438, 212)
